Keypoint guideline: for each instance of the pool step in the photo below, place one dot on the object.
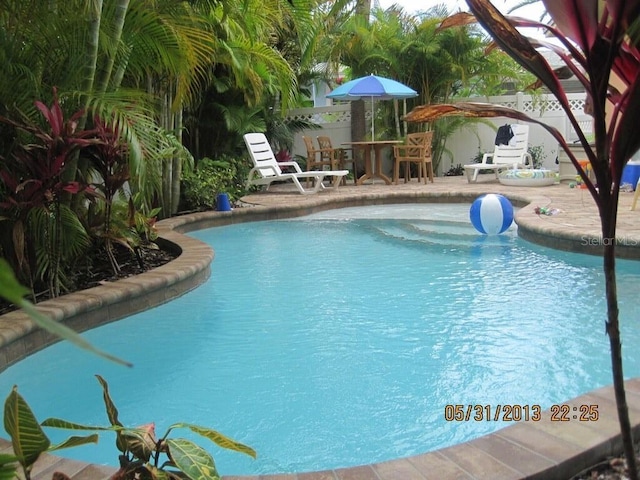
(447, 233)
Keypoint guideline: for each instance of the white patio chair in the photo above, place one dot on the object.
(514, 155)
(266, 169)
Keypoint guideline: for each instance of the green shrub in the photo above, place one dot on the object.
(537, 155)
(210, 177)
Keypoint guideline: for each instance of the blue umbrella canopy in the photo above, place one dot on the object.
(373, 87)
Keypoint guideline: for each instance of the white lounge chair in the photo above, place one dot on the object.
(514, 155)
(266, 169)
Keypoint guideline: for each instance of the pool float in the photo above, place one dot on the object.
(527, 177)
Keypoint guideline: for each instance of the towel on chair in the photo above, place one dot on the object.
(504, 135)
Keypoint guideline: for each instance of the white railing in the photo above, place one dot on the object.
(335, 121)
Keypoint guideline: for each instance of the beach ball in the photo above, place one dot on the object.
(491, 214)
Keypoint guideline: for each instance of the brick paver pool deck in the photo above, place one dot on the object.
(544, 449)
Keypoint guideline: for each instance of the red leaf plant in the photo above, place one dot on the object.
(597, 41)
(31, 178)
(109, 157)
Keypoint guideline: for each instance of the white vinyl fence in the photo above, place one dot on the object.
(463, 144)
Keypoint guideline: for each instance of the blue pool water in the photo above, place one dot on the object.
(338, 339)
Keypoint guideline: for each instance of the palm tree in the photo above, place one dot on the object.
(141, 62)
(439, 64)
(101, 57)
(98, 56)
(269, 52)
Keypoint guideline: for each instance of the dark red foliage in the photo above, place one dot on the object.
(33, 175)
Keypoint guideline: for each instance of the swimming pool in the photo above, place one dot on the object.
(392, 319)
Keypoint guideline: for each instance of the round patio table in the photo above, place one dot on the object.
(373, 164)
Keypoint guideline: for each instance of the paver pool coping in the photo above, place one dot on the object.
(543, 449)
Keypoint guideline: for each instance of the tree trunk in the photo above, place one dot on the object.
(396, 115)
(358, 127)
(363, 7)
(75, 168)
(118, 24)
(167, 163)
(608, 215)
(177, 164)
(91, 59)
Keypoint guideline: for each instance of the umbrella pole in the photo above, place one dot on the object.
(373, 138)
(373, 121)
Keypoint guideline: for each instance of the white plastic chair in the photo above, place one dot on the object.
(514, 155)
(266, 169)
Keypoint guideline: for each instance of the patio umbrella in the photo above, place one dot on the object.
(372, 87)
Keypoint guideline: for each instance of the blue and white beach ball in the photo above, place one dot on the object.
(491, 214)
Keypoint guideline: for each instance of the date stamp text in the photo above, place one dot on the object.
(519, 413)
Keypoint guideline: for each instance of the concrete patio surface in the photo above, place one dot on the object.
(541, 449)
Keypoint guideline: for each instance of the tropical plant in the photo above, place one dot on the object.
(122, 60)
(460, 66)
(223, 175)
(132, 226)
(142, 454)
(142, 221)
(264, 46)
(28, 440)
(145, 456)
(598, 40)
(42, 232)
(537, 155)
(108, 159)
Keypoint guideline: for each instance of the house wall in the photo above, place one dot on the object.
(464, 144)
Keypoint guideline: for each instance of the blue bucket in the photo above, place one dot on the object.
(222, 203)
(631, 173)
